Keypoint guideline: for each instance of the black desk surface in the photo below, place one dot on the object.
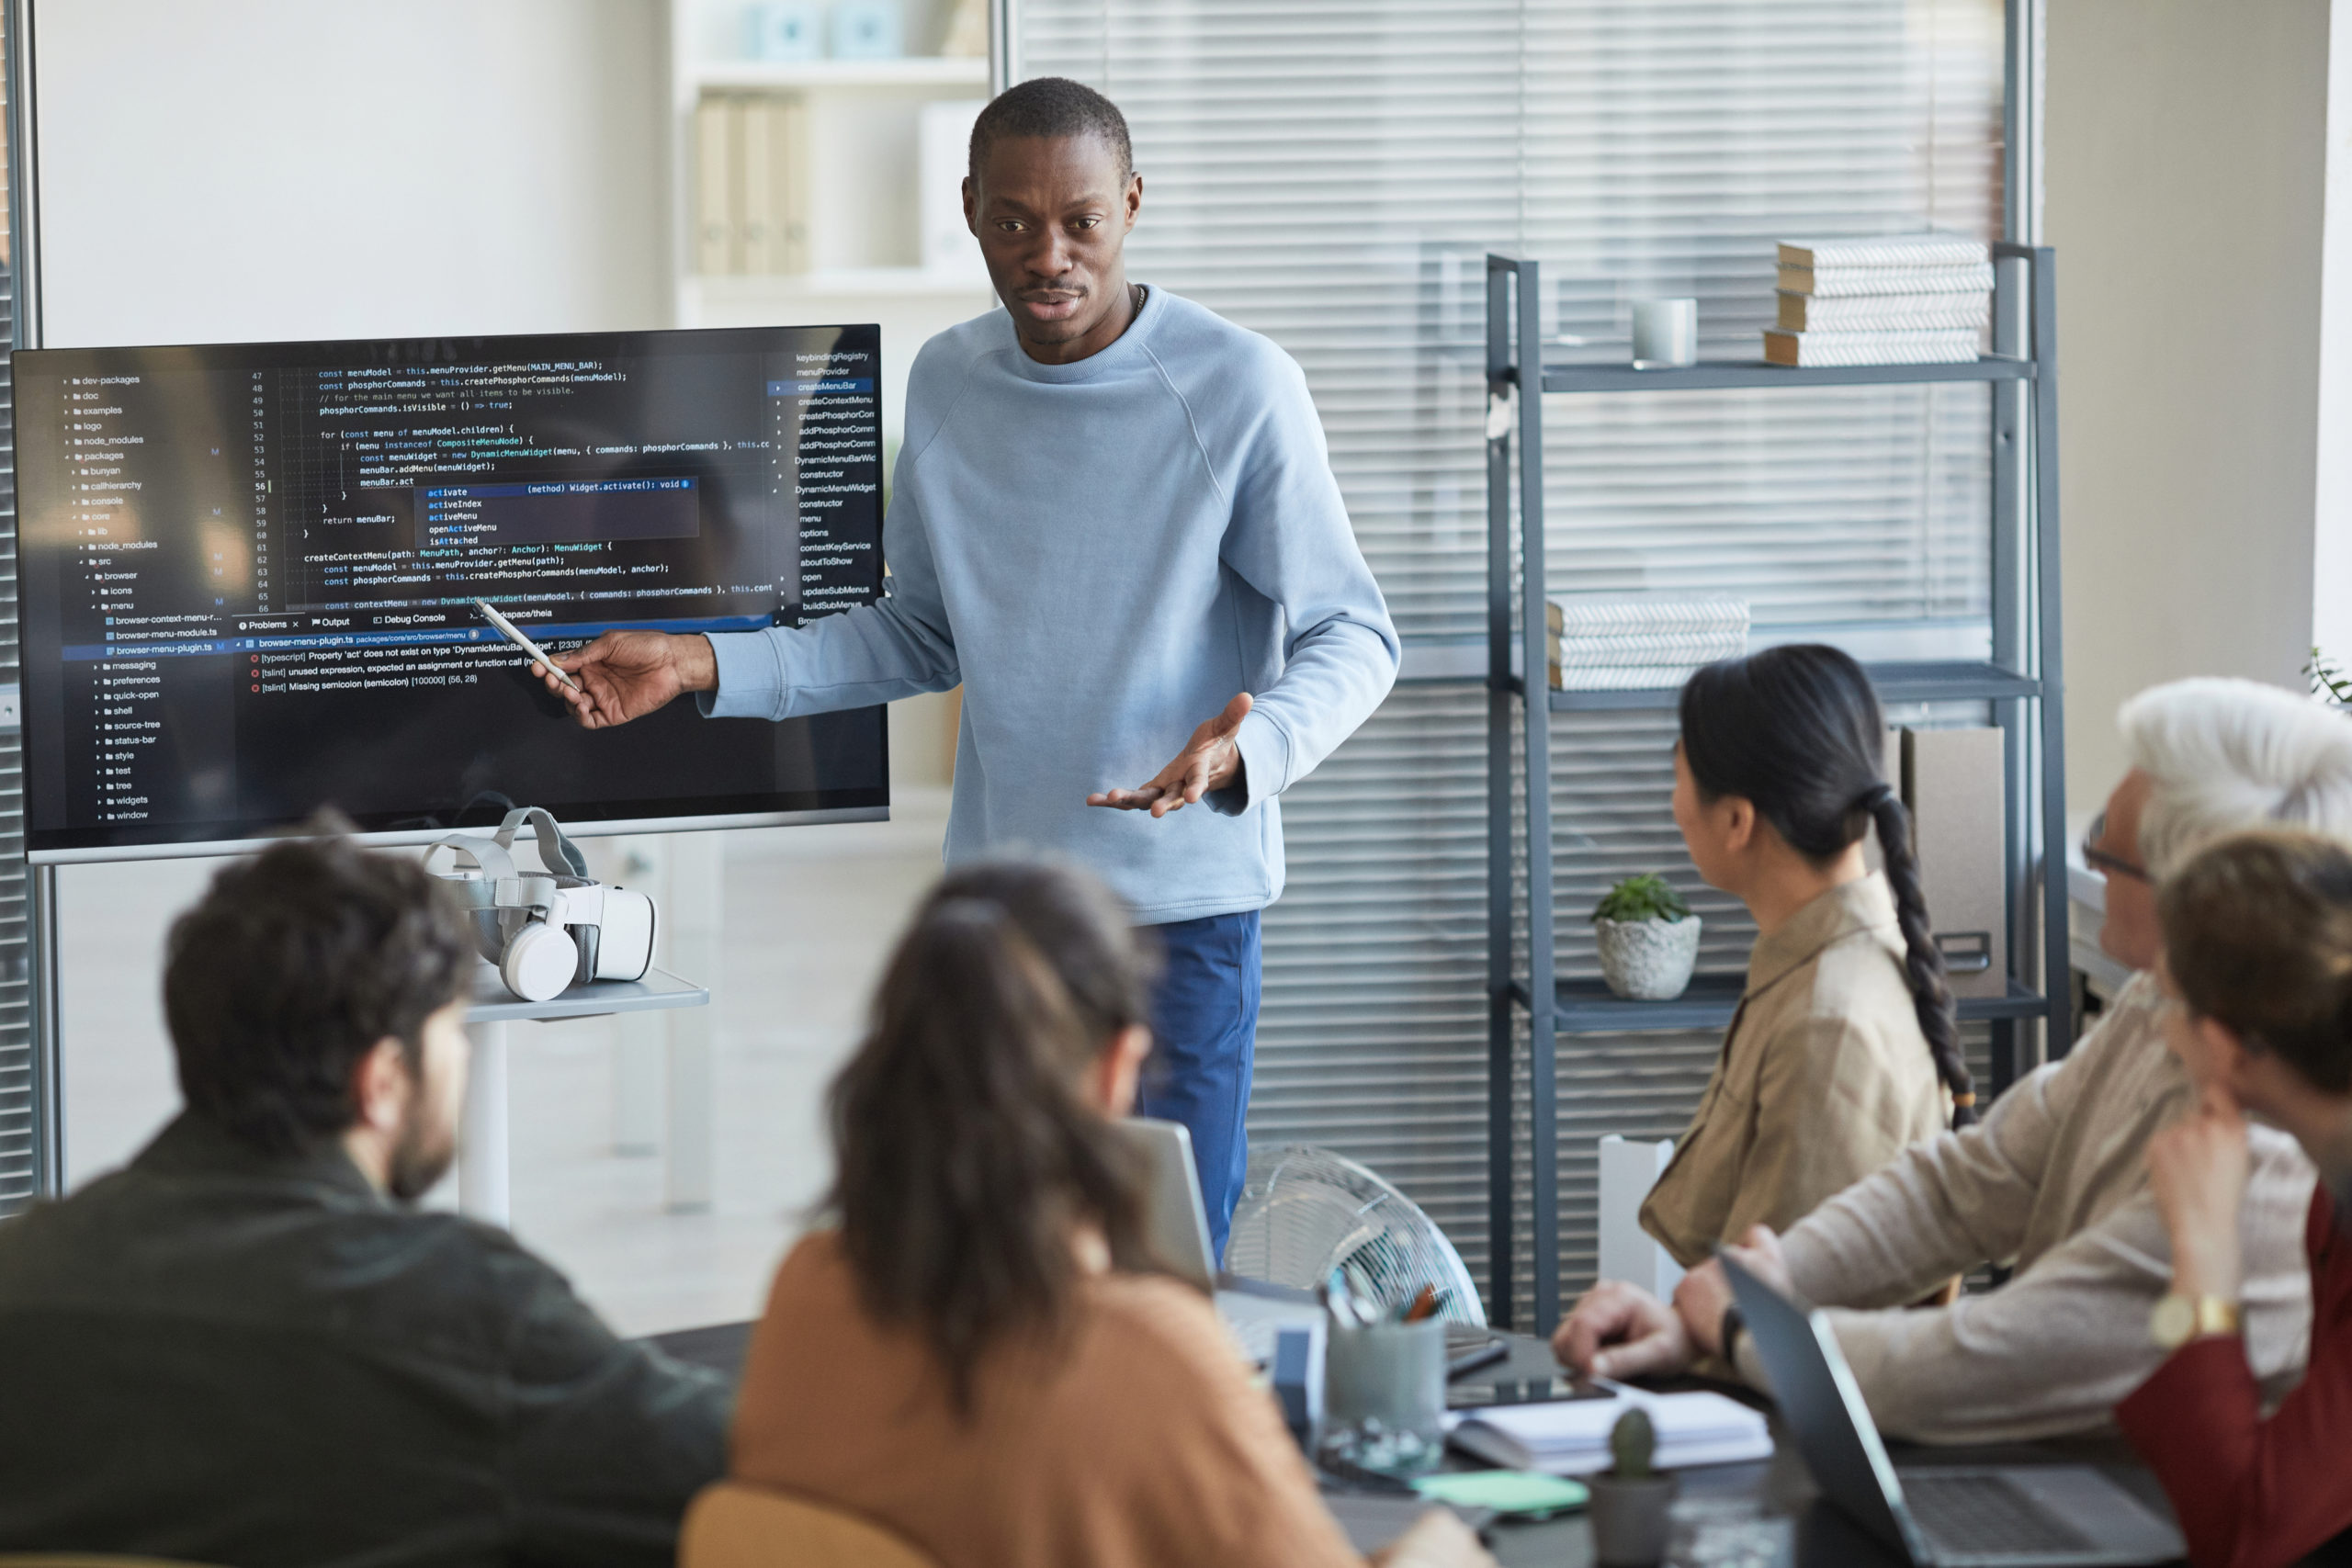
(1778, 1488)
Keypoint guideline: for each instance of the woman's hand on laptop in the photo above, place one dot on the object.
(1622, 1331)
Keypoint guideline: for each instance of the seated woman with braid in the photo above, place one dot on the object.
(1845, 1043)
(975, 1353)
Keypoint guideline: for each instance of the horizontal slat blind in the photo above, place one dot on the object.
(1332, 172)
(18, 1113)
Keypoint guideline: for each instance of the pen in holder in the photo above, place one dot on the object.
(1384, 1395)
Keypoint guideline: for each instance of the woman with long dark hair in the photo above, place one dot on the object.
(1845, 1044)
(974, 1352)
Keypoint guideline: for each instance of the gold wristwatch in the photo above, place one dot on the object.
(2177, 1319)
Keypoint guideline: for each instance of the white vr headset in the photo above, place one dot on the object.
(546, 931)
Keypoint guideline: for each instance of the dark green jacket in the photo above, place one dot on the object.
(220, 1356)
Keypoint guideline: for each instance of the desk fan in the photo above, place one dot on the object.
(1304, 1211)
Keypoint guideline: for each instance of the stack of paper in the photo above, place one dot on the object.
(1632, 642)
(1571, 1437)
(1882, 299)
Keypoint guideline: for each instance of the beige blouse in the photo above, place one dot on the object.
(1139, 1443)
(1823, 1078)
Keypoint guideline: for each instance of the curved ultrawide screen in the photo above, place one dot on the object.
(248, 574)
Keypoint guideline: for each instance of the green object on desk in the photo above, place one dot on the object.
(1525, 1492)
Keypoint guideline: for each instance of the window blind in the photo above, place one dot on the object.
(20, 1113)
(1332, 172)
(20, 1130)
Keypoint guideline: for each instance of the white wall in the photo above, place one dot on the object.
(368, 168)
(2332, 524)
(2185, 141)
(349, 168)
(267, 169)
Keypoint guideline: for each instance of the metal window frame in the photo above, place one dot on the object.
(41, 881)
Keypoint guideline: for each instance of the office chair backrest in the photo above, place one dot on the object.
(85, 1560)
(730, 1525)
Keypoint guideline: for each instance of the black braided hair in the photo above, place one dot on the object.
(1796, 732)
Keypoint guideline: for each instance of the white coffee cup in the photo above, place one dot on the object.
(1665, 333)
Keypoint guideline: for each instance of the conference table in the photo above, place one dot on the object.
(1764, 1514)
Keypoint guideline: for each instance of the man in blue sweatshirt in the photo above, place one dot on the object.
(1114, 523)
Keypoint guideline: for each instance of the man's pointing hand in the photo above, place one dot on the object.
(1211, 760)
(625, 675)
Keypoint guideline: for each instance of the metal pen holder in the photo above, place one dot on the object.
(1383, 1396)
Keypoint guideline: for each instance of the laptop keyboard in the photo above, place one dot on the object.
(1975, 1514)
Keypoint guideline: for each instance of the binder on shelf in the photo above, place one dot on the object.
(718, 245)
(755, 182)
(774, 183)
(1952, 784)
(945, 135)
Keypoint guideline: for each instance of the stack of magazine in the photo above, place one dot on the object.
(1881, 299)
(1633, 642)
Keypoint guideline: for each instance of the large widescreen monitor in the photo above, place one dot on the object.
(248, 574)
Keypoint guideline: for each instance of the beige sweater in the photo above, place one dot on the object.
(2055, 1181)
(1823, 1078)
(1138, 1443)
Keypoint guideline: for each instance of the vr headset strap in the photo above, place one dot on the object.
(557, 853)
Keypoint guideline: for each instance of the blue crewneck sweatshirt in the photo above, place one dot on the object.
(1103, 554)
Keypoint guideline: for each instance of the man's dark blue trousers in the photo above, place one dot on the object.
(1205, 1039)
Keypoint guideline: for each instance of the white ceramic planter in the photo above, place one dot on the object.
(1648, 961)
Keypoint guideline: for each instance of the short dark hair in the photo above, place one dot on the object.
(296, 962)
(1051, 105)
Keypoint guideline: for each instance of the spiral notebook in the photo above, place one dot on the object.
(1571, 1437)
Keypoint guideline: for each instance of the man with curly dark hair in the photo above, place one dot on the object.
(248, 1346)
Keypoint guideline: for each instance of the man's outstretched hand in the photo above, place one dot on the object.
(1211, 760)
(625, 675)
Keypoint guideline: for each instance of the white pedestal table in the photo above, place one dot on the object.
(483, 1148)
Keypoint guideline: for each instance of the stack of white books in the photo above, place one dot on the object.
(1603, 642)
(1571, 1437)
(1884, 299)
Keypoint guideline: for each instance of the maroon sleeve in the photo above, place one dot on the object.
(2251, 1493)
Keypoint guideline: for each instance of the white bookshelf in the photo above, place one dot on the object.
(863, 224)
(742, 292)
(910, 71)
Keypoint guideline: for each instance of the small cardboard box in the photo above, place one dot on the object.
(1951, 782)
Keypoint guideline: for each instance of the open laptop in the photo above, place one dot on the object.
(1176, 1222)
(1176, 1225)
(1951, 1515)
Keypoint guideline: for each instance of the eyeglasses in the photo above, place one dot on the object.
(2099, 860)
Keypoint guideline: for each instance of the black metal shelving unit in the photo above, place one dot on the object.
(2021, 681)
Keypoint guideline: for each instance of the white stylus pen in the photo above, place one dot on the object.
(514, 634)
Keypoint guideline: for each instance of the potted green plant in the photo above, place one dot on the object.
(1631, 1502)
(1648, 937)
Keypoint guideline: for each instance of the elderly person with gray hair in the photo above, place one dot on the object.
(2052, 1182)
